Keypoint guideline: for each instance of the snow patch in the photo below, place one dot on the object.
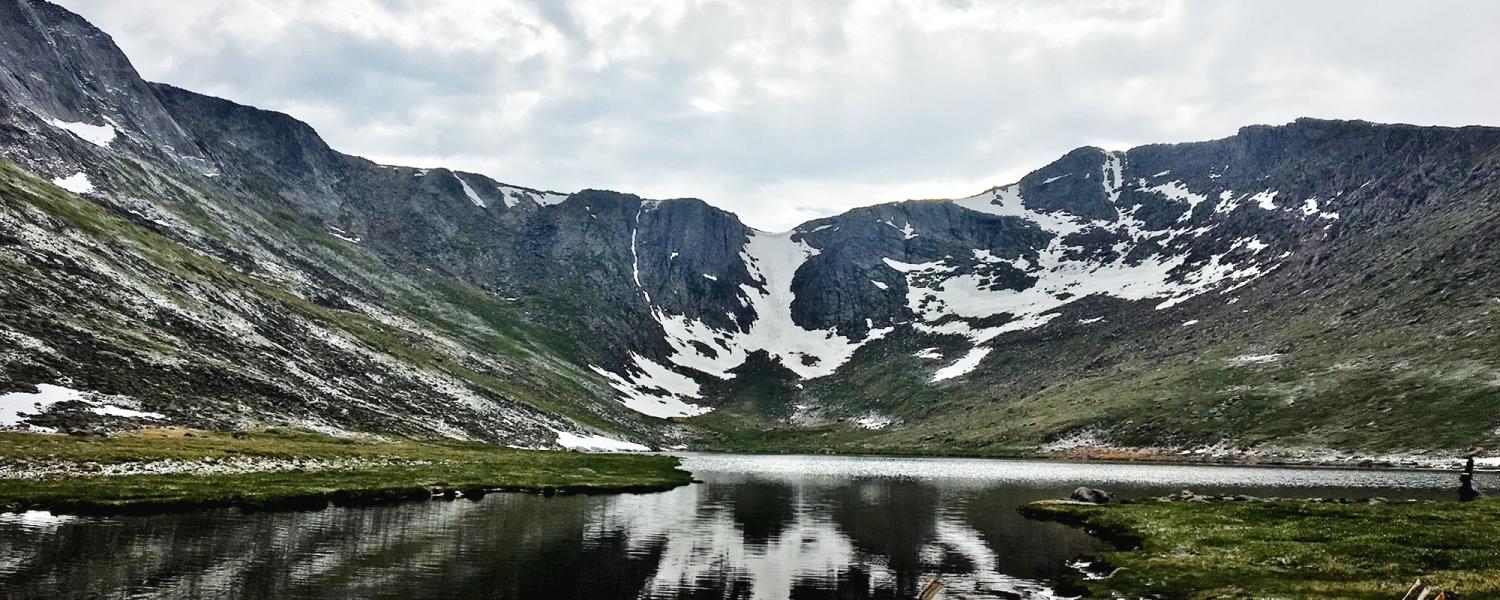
(1006, 202)
(343, 235)
(596, 443)
(1266, 199)
(510, 199)
(907, 232)
(880, 285)
(655, 390)
(1078, 439)
(548, 198)
(1114, 175)
(469, 191)
(1310, 209)
(905, 267)
(98, 135)
(1253, 359)
(1177, 191)
(1227, 202)
(874, 421)
(77, 183)
(16, 407)
(635, 256)
(929, 353)
(513, 196)
(963, 366)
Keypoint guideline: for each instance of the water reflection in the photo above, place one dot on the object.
(760, 527)
(760, 538)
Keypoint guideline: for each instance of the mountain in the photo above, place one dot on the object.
(1322, 284)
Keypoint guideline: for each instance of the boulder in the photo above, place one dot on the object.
(1091, 495)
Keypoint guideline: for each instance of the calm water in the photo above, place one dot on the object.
(760, 527)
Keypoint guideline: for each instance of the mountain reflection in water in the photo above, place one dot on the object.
(759, 527)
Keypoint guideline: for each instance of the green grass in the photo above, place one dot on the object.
(407, 469)
(1291, 549)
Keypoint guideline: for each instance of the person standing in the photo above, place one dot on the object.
(1466, 491)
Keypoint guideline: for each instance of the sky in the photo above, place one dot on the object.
(787, 110)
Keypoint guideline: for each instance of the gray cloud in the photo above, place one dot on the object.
(785, 110)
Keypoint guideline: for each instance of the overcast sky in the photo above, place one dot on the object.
(783, 111)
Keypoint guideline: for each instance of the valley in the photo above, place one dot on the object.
(239, 359)
(1315, 289)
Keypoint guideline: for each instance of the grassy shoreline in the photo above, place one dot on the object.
(1156, 458)
(1287, 548)
(175, 470)
(730, 434)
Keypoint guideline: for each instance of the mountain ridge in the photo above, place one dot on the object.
(512, 314)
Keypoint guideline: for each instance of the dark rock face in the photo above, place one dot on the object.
(371, 296)
(690, 264)
(58, 65)
(837, 288)
(1076, 184)
(249, 141)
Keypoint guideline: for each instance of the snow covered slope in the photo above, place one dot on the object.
(1090, 226)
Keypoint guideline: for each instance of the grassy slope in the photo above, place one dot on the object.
(1291, 549)
(398, 469)
(538, 367)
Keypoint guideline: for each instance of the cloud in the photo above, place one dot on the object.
(785, 110)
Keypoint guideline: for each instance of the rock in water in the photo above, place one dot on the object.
(1091, 495)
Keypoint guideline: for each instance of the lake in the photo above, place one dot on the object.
(759, 527)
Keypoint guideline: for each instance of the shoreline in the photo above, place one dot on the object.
(1143, 456)
(1265, 461)
(164, 472)
(160, 471)
(312, 501)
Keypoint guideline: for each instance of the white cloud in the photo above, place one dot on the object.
(785, 110)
